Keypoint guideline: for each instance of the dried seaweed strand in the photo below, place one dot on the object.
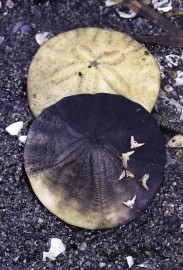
(175, 34)
(163, 40)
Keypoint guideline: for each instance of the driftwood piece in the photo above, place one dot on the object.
(175, 33)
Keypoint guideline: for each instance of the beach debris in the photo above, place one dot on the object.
(22, 27)
(169, 108)
(168, 88)
(129, 174)
(147, 265)
(9, 4)
(130, 261)
(110, 3)
(57, 247)
(164, 5)
(22, 138)
(14, 128)
(125, 157)
(1, 40)
(173, 59)
(130, 203)
(135, 144)
(179, 78)
(41, 38)
(143, 181)
(122, 175)
(176, 141)
(126, 173)
(126, 14)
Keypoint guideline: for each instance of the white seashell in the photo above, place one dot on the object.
(173, 59)
(110, 3)
(131, 14)
(164, 9)
(122, 175)
(176, 141)
(22, 138)
(125, 158)
(130, 261)
(164, 5)
(143, 181)
(57, 247)
(130, 203)
(129, 174)
(135, 144)
(179, 78)
(41, 38)
(14, 128)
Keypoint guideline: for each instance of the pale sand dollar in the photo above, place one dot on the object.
(74, 159)
(92, 60)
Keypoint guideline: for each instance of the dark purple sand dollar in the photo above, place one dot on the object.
(73, 159)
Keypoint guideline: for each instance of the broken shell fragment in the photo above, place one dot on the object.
(22, 138)
(14, 128)
(129, 174)
(130, 203)
(92, 60)
(130, 261)
(125, 157)
(143, 181)
(135, 144)
(176, 141)
(57, 247)
(122, 175)
(71, 157)
(126, 173)
(126, 15)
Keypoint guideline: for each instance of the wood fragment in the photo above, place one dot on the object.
(175, 33)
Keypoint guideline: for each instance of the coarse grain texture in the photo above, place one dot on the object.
(92, 60)
(155, 237)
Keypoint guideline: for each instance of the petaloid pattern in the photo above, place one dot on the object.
(92, 60)
(76, 151)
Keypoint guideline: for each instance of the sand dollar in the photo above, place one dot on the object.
(92, 60)
(95, 161)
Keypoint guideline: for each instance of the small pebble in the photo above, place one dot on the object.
(102, 264)
(1, 40)
(176, 141)
(168, 88)
(9, 4)
(179, 78)
(41, 38)
(172, 74)
(22, 27)
(83, 246)
(14, 128)
(130, 261)
(179, 153)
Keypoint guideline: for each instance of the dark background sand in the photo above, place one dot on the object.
(26, 226)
